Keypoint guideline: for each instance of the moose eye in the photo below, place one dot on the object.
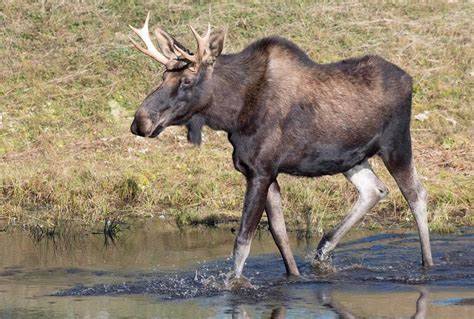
(186, 82)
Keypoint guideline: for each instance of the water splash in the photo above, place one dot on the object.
(386, 258)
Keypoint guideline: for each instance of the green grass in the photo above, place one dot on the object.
(70, 82)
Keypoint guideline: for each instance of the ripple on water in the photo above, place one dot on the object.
(385, 258)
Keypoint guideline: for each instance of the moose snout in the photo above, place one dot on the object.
(142, 125)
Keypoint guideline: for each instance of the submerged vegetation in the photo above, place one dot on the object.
(70, 82)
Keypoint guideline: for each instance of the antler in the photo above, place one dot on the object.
(151, 50)
(202, 42)
(170, 49)
(166, 43)
(203, 50)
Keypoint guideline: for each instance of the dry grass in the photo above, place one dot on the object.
(70, 82)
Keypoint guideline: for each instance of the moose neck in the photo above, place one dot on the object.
(236, 77)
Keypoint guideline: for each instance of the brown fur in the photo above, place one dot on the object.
(285, 113)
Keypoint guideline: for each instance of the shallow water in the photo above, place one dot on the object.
(157, 271)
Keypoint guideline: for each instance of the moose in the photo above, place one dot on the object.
(285, 113)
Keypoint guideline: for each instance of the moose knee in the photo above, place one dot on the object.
(243, 240)
(381, 190)
(418, 205)
(374, 192)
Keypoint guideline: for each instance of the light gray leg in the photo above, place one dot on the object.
(371, 191)
(415, 194)
(254, 205)
(276, 221)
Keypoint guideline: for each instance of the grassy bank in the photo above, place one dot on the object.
(70, 82)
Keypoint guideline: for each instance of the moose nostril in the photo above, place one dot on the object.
(142, 125)
(134, 128)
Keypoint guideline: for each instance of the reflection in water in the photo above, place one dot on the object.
(421, 304)
(240, 313)
(343, 312)
(325, 299)
(164, 273)
(278, 313)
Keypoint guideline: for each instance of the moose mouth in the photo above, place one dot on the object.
(157, 131)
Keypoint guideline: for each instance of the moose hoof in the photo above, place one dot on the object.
(239, 283)
(323, 266)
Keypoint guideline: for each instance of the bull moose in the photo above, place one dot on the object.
(284, 113)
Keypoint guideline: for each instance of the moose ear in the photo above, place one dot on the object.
(216, 42)
(166, 43)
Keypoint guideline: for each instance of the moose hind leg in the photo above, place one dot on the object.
(407, 180)
(371, 191)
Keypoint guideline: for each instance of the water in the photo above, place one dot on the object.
(156, 271)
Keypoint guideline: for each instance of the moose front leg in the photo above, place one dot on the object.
(276, 221)
(254, 204)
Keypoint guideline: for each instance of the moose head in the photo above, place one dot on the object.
(186, 85)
